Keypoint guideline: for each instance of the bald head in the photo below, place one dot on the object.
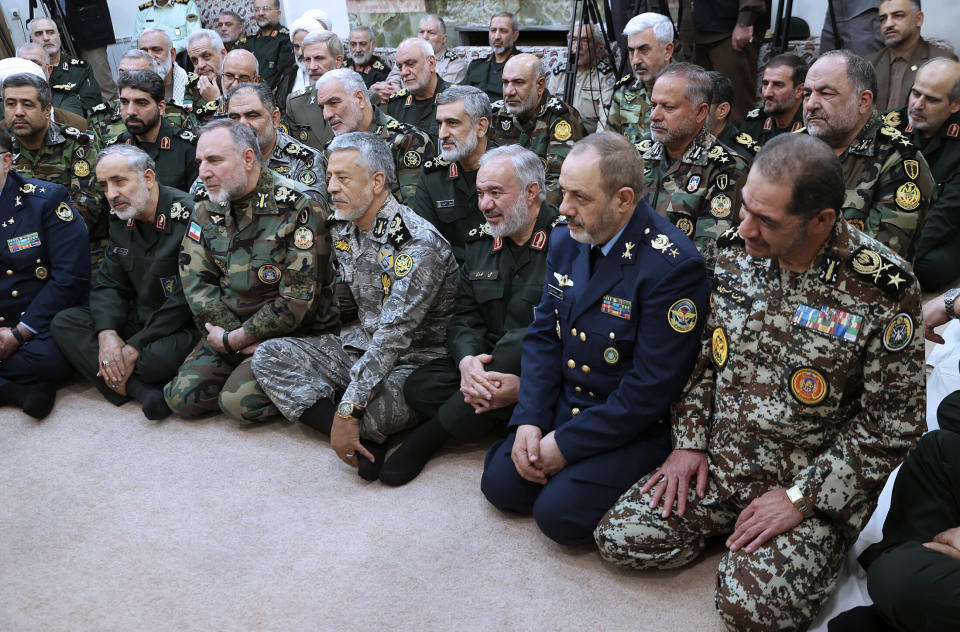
(417, 64)
(935, 95)
(36, 54)
(524, 82)
(239, 66)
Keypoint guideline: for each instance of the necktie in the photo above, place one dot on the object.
(596, 253)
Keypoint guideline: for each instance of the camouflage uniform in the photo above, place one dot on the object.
(76, 76)
(697, 193)
(298, 162)
(812, 379)
(273, 49)
(374, 71)
(889, 186)
(630, 109)
(304, 119)
(404, 279)
(410, 146)
(67, 157)
(761, 128)
(174, 153)
(260, 262)
(422, 114)
(550, 134)
(592, 92)
(105, 121)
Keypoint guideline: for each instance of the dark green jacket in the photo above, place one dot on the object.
(375, 71)
(406, 108)
(174, 151)
(273, 50)
(485, 73)
(742, 143)
(76, 75)
(761, 128)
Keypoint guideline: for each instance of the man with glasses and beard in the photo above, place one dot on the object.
(472, 391)
(447, 189)
(138, 328)
(142, 106)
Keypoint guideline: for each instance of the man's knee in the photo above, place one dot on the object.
(243, 400)
(501, 484)
(916, 588)
(560, 517)
(635, 536)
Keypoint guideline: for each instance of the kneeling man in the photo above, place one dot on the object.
(807, 393)
(138, 328)
(403, 276)
(616, 333)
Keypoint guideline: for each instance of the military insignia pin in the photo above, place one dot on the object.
(268, 274)
(693, 184)
(682, 316)
(411, 159)
(303, 238)
(165, 142)
(685, 225)
(81, 168)
(722, 181)
(628, 248)
(403, 265)
(720, 206)
(385, 259)
(719, 348)
(505, 125)
(611, 355)
(912, 167)
(563, 280)
(64, 212)
(908, 196)
(41, 273)
(562, 131)
(341, 245)
(661, 242)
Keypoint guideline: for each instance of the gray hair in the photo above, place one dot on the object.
(437, 18)
(373, 154)
(594, 30)
(811, 169)
(35, 47)
(23, 80)
(476, 103)
(699, 87)
(156, 29)
(661, 25)
(243, 137)
(364, 27)
(42, 17)
(260, 90)
(514, 24)
(422, 44)
(215, 40)
(526, 165)
(136, 53)
(349, 80)
(137, 159)
(954, 92)
(861, 72)
(620, 163)
(329, 38)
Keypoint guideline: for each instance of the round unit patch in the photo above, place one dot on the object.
(403, 265)
(686, 226)
(908, 196)
(268, 274)
(411, 159)
(81, 168)
(562, 131)
(682, 316)
(720, 206)
(303, 238)
(719, 347)
(808, 386)
(898, 333)
(308, 178)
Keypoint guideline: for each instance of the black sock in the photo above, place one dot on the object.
(34, 399)
(319, 416)
(153, 405)
(369, 471)
(409, 460)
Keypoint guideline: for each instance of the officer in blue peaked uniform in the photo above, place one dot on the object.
(616, 333)
(45, 265)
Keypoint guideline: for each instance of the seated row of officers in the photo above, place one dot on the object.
(675, 313)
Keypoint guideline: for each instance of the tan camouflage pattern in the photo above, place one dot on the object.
(550, 134)
(404, 278)
(592, 92)
(410, 146)
(630, 109)
(698, 193)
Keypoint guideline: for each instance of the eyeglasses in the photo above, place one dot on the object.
(229, 76)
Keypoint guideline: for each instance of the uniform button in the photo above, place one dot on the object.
(9, 272)
(571, 364)
(2, 319)
(574, 411)
(39, 261)
(15, 293)
(573, 332)
(585, 368)
(613, 336)
(592, 395)
(556, 311)
(583, 337)
(578, 389)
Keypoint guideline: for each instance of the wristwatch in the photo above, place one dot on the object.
(949, 297)
(796, 497)
(349, 409)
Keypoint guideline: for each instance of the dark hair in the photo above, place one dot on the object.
(514, 24)
(145, 80)
(721, 88)
(796, 64)
(233, 14)
(861, 72)
(262, 92)
(620, 163)
(809, 166)
(25, 79)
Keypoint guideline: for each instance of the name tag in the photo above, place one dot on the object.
(486, 276)
(726, 291)
(829, 322)
(117, 250)
(31, 240)
(554, 291)
(444, 203)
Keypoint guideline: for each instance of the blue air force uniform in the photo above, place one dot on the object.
(45, 263)
(618, 347)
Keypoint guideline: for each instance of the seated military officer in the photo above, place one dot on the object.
(138, 328)
(807, 393)
(594, 78)
(63, 97)
(322, 51)
(531, 117)
(173, 150)
(616, 332)
(273, 281)
(889, 184)
(718, 118)
(782, 90)
(47, 264)
(447, 187)
(206, 52)
(416, 102)
(70, 75)
(404, 278)
(692, 179)
(472, 391)
(486, 73)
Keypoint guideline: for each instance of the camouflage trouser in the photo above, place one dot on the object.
(780, 586)
(208, 380)
(297, 372)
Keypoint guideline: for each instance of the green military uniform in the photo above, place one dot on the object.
(138, 294)
(938, 247)
(76, 76)
(762, 128)
(889, 186)
(299, 162)
(178, 17)
(261, 262)
(304, 119)
(65, 99)
(550, 134)
(273, 49)
(67, 157)
(697, 193)
(106, 123)
(406, 108)
(592, 92)
(174, 151)
(411, 148)
(740, 142)
(501, 284)
(487, 74)
(375, 70)
(629, 113)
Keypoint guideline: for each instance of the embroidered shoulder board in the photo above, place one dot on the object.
(560, 220)
(192, 78)
(301, 91)
(752, 114)
(480, 232)
(604, 67)
(377, 65)
(242, 40)
(624, 80)
(283, 31)
(882, 272)
(436, 164)
(397, 232)
(76, 134)
(399, 94)
(717, 153)
(77, 62)
(287, 195)
(730, 237)
(201, 194)
(146, 5)
(188, 136)
(497, 105)
(103, 107)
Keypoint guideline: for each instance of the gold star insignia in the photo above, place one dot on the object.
(896, 279)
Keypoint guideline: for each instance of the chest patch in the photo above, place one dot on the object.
(23, 242)
(829, 322)
(619, 307)
(808, 386)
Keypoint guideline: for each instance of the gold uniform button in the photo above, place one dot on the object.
(585, 368)
(39, 260)
(592, 395)
(2, 319)
(574, 411)
(583, 337)
(573, 332)
(9, 272)
(15, 293)
(571, 364)
(613, 336)
(578, 389)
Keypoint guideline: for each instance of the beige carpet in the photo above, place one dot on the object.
(111, 522)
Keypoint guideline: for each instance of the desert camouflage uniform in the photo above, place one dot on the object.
(761, 128)
(550, 134)
(67, 157)
(889, 186)
(260, 262)
(299, 162)
(592, 92)
(630, 109)
(410, 146)
(404, 279)
(697, 193)
(105, 121)
(812, 379)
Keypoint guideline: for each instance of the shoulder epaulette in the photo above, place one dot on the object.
(77, 62)
(297, 150)
(891, 119)
(283, 31)
(112, 140)
(604, 67)
(145, 5)
(179, 212)
(31, 189)
(285, 194)
(478, 233)
(187, 135)
(201, 194)
(436, 164)
(559, 220)
(103, 107)
(730, 237)
(182, 1)
(192, 78)
(896, 136)
(624, 80)
(644, 145)
(747, 141)
(301, 91)
(752, 114)
(397, 233)
(242, 40)
(65, 87)
(718, 154)
(560, 69)
(399, 94)
(378, 65)
(497, 105)
(882, 272)
(555, 105)
(76, 134)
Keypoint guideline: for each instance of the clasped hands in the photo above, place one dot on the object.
(116, 360)
(536, 456)
(486, 390)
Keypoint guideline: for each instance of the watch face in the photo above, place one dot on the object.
(345, 409)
